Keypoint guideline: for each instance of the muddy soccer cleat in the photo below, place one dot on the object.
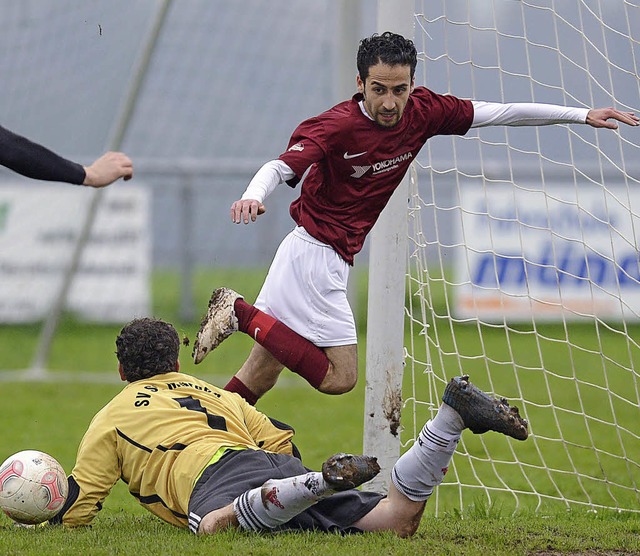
(345, 471)
(218, 324)
(481, 412)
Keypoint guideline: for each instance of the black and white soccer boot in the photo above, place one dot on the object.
(481, 412)
(345, 471)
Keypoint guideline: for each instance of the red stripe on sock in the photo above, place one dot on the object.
(297, 353)
(260, 326)
(252, 321)
(292, 350)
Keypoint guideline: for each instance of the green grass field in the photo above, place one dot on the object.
(52, 416)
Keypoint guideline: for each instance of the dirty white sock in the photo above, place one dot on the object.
(448, 420)
(425, 464)
(279, 500)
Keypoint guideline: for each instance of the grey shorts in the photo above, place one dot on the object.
(239, 471)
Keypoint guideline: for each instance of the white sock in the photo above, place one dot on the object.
(279, 500)
(425, 464)
(448, 420)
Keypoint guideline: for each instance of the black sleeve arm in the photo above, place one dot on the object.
(35, 161)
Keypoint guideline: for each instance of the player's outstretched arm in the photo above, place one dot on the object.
(609, 118)
(250, 205)
(110, 167)
(536, 114)
(244, 210)
(36, 161)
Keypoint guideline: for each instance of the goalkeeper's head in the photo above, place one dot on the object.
(388, 48)
(147, 347)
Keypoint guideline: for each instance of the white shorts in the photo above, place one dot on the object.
(306, 289)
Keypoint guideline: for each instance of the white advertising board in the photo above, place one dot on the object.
(39, 224)
(562, 253)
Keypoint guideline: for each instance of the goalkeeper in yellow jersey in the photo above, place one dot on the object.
(200, 457)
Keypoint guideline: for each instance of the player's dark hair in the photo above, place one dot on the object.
(147, 347)
(390, 49)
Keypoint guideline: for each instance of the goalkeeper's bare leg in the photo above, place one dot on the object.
(414, 476)
(424, 465)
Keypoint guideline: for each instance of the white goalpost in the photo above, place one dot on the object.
(521, 255)
(385, 336)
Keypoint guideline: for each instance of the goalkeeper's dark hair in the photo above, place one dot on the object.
(390, 49)
(147, 347)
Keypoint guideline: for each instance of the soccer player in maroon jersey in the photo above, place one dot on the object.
(356, 154)
(35, 161)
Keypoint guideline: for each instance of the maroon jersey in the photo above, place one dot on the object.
(357, 164)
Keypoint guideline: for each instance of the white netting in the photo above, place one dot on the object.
(523, 242)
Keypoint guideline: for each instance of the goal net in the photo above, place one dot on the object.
(523, 254)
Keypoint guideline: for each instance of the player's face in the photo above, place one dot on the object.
(386, 92)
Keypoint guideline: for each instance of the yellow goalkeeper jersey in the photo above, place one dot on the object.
(157, 435)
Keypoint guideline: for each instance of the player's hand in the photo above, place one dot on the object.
(599, 117)
(245, 210)
(110, 167)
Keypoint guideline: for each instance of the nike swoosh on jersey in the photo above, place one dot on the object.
(347, 156)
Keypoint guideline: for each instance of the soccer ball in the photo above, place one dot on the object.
(33, 487)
